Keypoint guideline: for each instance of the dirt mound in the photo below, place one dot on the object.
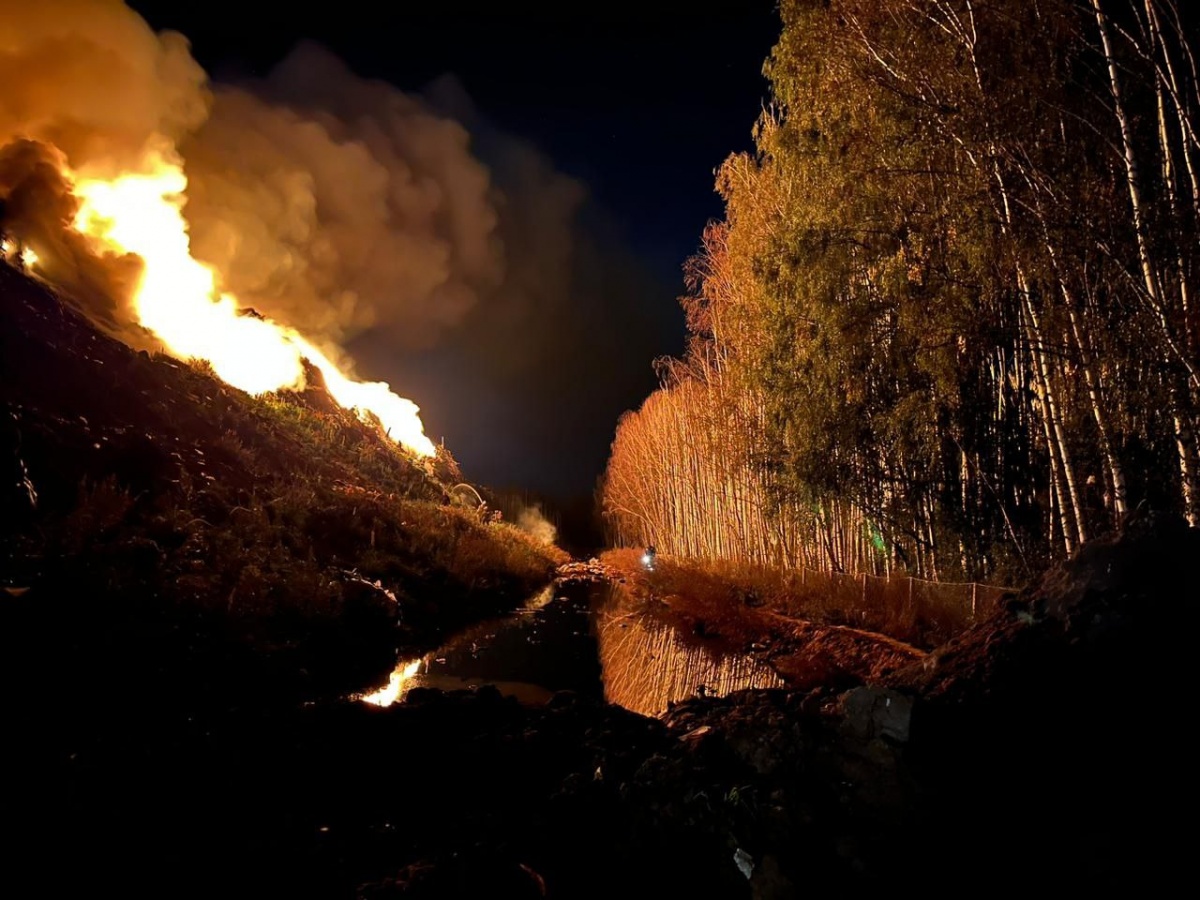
(1108, 607)
(1046, 719)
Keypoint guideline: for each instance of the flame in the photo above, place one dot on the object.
(177, 299)
(390, 693)
(27, 255)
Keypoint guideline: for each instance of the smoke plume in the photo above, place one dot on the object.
(39, 208)
(531, 521)
(338, 205)
(404, 229)
(322, 200)
(92, 79)
(86, 84)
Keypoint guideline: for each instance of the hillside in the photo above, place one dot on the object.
(153, 513)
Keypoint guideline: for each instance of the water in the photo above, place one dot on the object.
(546, 646)
(578, 637)
(646, 665)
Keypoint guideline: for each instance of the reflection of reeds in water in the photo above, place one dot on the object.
(645, 666)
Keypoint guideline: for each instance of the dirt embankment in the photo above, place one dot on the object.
(153, 512)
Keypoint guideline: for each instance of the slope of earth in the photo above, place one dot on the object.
(159, 521)
(1052, 725)
(1038, 750)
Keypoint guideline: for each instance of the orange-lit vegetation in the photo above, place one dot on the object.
(687, 472)
(742, 601)
(948, 325)
(300, 546)
(160, 487)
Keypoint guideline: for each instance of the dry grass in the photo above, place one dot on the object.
(157, 482)
(731, 598)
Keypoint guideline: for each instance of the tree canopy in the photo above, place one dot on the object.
(948, 325)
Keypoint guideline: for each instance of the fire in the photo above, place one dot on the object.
(390, 693)
(178, 300)
(26, 255)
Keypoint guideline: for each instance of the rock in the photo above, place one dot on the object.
(744, 861)
(769, 882)
(872, 712)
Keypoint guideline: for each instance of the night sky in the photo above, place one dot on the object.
(640, 105)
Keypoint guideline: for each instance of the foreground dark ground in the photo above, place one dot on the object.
(190, 598)
(1036, 749)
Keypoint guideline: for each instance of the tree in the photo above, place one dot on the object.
(949, 320)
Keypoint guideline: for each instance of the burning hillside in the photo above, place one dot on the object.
(177, 299)
(143, 488)
(308, 223)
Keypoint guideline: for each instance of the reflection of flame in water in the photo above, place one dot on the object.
(407, 675)
(394, 689)
(646, 665)
(178, 300)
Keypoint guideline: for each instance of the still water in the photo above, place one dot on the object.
(578, 637)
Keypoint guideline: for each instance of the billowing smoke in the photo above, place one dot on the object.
(337, 204)
(91, 78)
(39, 208)
(85, 83)
(325, 201)
(527, 389)
(531, 521)
(443, 254)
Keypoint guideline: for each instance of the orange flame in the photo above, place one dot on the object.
(391, 692)
(177, 299)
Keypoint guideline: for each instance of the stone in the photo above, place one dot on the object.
(871, 712)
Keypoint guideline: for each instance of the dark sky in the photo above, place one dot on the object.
(639, 104)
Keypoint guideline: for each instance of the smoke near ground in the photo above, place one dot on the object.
(39, 207)
(435, 250)
(531, 521)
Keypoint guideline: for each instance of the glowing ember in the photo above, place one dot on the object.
(29, 257)
(177, 300)
(391, 692)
